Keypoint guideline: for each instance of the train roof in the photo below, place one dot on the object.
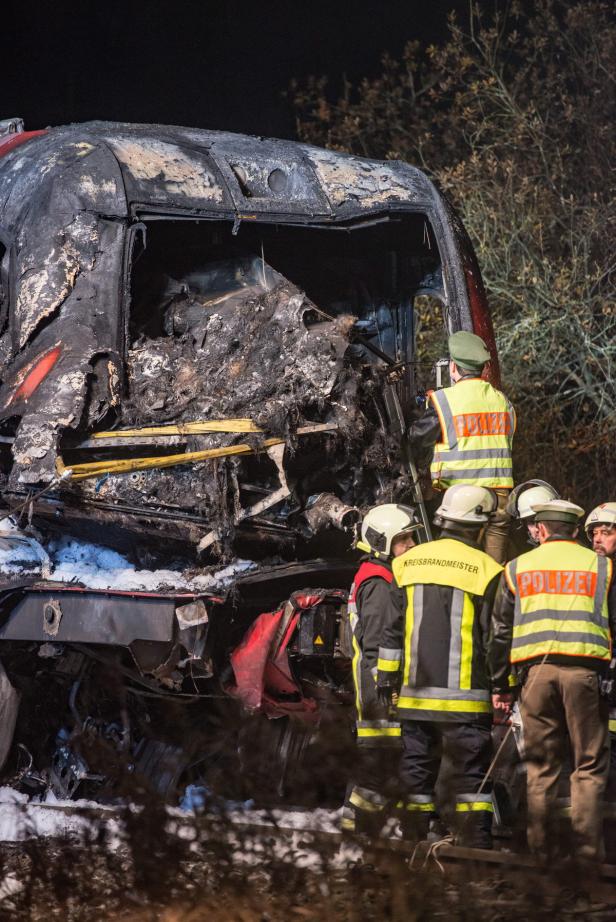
(122, 170)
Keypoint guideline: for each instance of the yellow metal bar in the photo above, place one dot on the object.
(127, 465)
(196, 427)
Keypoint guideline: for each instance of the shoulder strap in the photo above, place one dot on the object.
(368, 570)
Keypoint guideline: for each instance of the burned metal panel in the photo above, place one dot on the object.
(65, 282)
(269, 176)
(81, 311)
(63, 172)
(356, 186)
(54, 210)
(162, 173)
(50, 257)
(87, 617)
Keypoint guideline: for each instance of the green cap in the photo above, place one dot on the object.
(558, 510)
(468, 350)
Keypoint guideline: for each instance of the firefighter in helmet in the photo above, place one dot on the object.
(600, 527)
(387, 532)
(521, 501)
(470, 425)
(432, 654)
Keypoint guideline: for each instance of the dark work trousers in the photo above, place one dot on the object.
(467, 747)
(374, 787)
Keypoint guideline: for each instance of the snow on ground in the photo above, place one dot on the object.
(99, 567)
(22, 819)
(21, 555)
(316, 820)
(68, 560)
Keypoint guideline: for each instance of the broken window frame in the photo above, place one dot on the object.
(442, 290)
(128, 262)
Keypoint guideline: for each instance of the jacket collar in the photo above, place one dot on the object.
(379, 561)
(468, 541)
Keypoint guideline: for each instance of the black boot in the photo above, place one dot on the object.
(474, 829)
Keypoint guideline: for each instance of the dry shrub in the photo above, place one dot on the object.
(513, 114)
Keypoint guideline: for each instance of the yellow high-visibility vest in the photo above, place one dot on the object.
(477, 426)
(446, 562)
(561, 591)
(468, 572)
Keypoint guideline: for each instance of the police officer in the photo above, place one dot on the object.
(387, 532)
(555, 615)
(600, 530)
(471, 426)
(521, 501)
(433, 653)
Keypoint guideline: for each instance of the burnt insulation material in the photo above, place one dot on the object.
(250, 354)
(261, 350)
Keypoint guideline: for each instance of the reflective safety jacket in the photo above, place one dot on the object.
(555, 602)
(477, 426)
(433, 650)
(368, 609)
(560, 602)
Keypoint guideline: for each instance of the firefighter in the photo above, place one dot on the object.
(521, 501)
(600, 530)
(470, 425)
(554, 616)
(432, 654)
(387, 532)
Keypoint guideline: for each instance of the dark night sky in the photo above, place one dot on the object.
(193, 62)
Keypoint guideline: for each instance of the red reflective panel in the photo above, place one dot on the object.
(470, 424)
(557, 582)
(38, 373)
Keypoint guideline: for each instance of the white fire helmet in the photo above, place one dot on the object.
(382, 524)
(605, 514)
(467, 505)
(526, 495)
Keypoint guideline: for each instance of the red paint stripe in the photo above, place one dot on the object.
(15, 140)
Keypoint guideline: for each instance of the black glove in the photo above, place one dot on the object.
(384, 694)
(607, 684)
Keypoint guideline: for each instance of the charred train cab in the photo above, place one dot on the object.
(210, 347)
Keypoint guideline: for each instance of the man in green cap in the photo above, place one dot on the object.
(554, 619)
(470, 425)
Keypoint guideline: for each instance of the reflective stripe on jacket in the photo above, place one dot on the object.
(373, 726)
(477, 426)
(439, 660)
(561, 602)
